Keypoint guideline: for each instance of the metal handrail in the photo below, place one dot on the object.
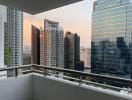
(94, 78)
(16, 67)
(127, 82)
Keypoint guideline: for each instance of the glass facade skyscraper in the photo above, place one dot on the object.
(112, 37)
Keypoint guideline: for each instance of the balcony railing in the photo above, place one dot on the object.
(101, 81)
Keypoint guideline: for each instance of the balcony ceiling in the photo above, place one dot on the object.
(36, 6)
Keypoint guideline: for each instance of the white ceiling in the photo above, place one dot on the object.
(36, 6)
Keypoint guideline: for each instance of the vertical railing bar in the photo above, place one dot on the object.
(45, 72)
(80, 80)
(16, 73)
(31, 68)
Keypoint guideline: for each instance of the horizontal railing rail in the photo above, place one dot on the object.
(16, 67)
(113, 83)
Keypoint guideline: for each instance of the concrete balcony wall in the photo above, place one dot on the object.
(37, 87)
(59, 89)
(19, 88)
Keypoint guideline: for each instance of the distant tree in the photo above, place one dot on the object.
(6, 55)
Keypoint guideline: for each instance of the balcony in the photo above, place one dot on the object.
(35, 82)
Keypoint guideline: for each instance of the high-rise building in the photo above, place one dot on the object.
(71, 51)
(35, 56)
(85, 55)
(112, 37)
(68, 51)
(14, 36)
(53, 44)
(3, 19)
(41, 46)
(76, 48)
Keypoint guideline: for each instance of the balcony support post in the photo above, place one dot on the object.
(80, 80)
(16, 73)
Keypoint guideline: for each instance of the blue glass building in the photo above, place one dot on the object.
(112, 37)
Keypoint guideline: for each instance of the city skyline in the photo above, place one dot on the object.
(83, 49)
(75, 17)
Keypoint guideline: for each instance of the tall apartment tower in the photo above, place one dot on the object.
(53, 44)
(41, 46)
(112, 37)
(35, 56)
(14, 36)
(3, 19)
(71, 51)
(76, 47)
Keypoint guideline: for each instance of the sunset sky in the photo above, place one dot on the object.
(75, 18)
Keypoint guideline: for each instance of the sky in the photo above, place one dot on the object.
(75, 18)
